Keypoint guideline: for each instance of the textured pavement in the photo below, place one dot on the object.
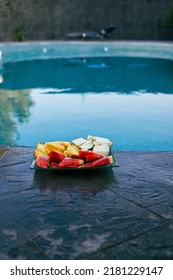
(121, 213)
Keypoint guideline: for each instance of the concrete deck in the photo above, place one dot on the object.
(122, 213)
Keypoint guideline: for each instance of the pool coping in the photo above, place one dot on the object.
(16, 51)
(143, 183)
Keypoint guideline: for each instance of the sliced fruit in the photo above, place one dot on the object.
(99, 162)
(72, 151)
(64, 143)
(42, 161)
(54, 165)
(71, 162)
(79, 141)
(90, 137)
(40, 147)
(36, 153)
(100, 140)
(103, 161)
(83, 153)
(89, 164)
(89, 155)
(87, 145)
(92, 157)
(103, 150)
(61, 143)
(56, 156)
(79, 152)
(54, 146)
(96, 143)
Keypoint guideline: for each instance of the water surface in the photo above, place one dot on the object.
(126, 99)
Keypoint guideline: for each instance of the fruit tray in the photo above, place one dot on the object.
(80, 154)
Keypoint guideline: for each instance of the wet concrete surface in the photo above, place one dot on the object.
(120, 213)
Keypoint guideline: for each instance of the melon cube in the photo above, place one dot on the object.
(79, 141)
(87, 145)
(103, 150)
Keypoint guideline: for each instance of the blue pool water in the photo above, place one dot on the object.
(52, 96)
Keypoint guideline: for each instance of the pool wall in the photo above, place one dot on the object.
(51, 20)
(40, 50)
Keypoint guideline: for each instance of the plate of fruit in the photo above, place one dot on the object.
(81, 153)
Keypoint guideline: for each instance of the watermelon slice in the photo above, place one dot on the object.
(56, 156)
(89, 164)
(83, 153)
(89, 156)
(54, 165)
(42, 161)
(103, 161)
(92, 156)
(99, 162)
(71, 162)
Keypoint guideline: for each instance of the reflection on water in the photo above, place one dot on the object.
(126, 99)
(14, 108)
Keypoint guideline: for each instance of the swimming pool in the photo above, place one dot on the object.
(64, 90)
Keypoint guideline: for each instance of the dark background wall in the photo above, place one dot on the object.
(52, 19)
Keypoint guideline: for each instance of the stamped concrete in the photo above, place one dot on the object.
(121, 213)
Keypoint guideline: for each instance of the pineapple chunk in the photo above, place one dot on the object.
(37, 153)
(41, 148)
(63, 143)
(72, 151)
(54, 146)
